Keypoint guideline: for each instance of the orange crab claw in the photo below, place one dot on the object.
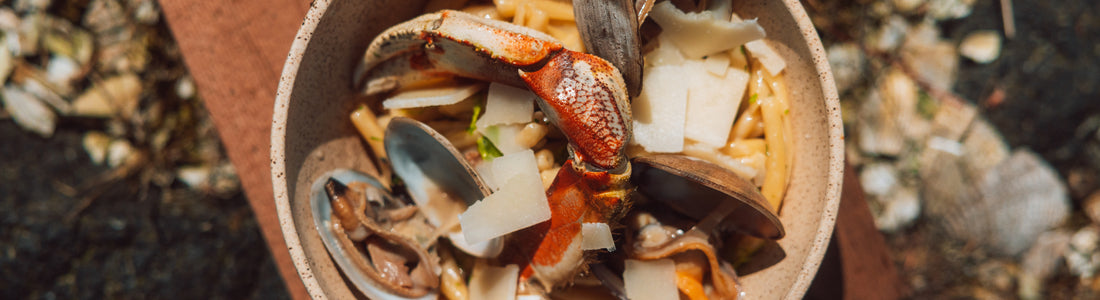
(586, 97)
(550, 251)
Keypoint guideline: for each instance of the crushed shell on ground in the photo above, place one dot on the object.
(1083, 255)
(28, 111)
(1021, 197)
(118, 152)
(1041, 261)
(847, 62)
(95, 144)
(982, 46)
(116, 95)
(933, 59)
(901, 208)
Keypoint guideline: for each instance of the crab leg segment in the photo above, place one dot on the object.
(452, 43)
(550, 251)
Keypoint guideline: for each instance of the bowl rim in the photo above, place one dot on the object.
(817, 55)
(278, 146)
(836, 151)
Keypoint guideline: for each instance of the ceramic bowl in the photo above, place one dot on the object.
(311, 135)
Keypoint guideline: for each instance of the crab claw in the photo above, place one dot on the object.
(583, 94)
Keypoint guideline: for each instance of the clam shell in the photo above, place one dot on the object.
(426, 161)
(695, 188)
(322, 221)
(418, 154)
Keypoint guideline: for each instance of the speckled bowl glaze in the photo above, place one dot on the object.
(311, 135)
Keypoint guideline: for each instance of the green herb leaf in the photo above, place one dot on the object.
(374, 138)
(473, 121)
(753, 98)
(926, 106)
(487, 150)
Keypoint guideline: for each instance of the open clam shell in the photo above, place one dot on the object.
(426, 161)
(439, 180)
(696, 188)
(323, 222)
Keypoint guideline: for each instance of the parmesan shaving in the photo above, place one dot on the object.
(652, 279)
(520, 202)
(435, 96)
(596, 236)
(699, 34)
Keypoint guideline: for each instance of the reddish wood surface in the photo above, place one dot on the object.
(235, 51)
(869, 271)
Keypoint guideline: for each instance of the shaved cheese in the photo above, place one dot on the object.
(435, 96)
(767, 56)
(489, 282)
(596, 236)
(717, 63)
(738, 59)
(506, 167)
(660, 109)
(507, 105)
(652, 279)
(487, 249)
(485, 169)
(504, 137)
(665, 53)
(520, 202)
(699, 34)
(764, 53)
(712, 103)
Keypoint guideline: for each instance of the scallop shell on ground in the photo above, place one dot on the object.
(1005, 209)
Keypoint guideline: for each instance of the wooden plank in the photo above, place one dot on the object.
(235, 51)
(868, 268)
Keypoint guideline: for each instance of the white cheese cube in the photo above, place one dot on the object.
(650, 279)
(596, 236)
(712, 103)
(660, 109)
(506, 104)
(520, 202)
(504, 137)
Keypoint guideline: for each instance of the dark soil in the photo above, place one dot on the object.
(169, 243)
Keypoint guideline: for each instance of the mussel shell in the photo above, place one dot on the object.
(609, 29)
(695, 187)
(322, 221)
